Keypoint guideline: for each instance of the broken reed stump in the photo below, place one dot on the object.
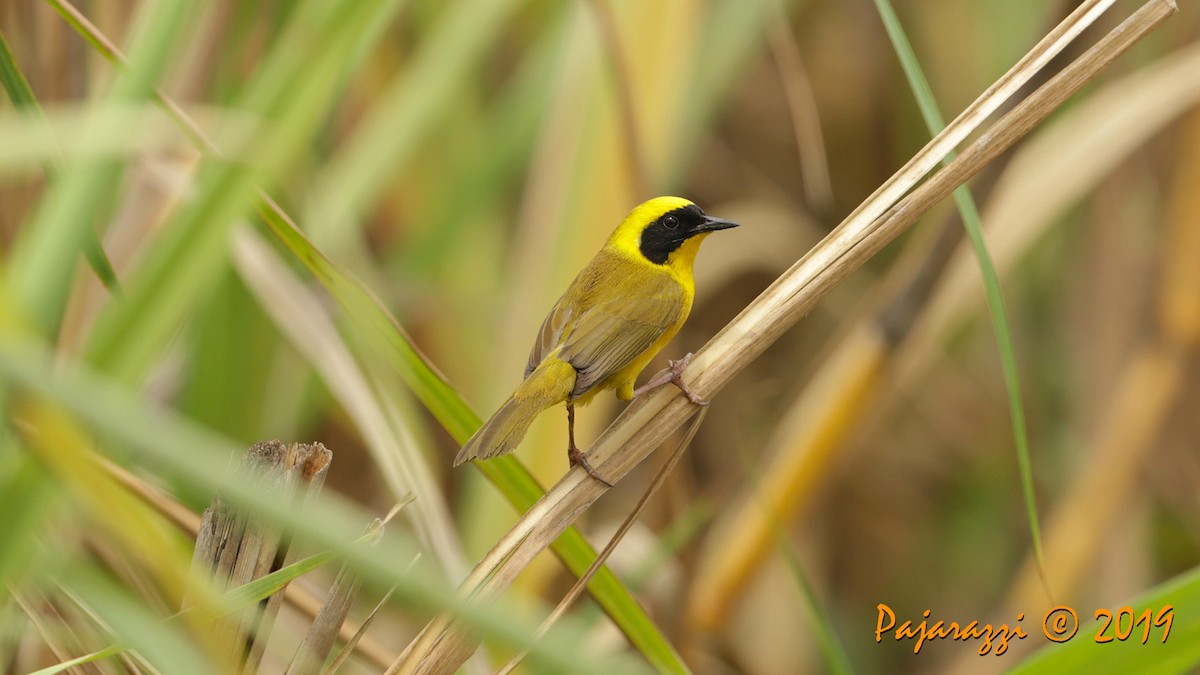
(234, 548)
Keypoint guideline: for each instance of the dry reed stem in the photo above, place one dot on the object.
(352, 643)
(646, 422)
(580, 584)
(233, 548)
(174, 510)
(326, 626)
(51, 626)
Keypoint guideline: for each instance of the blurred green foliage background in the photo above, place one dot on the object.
(463, 160)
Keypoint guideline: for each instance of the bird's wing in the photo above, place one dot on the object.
(609, 334)
(560, 322)
(610, 314)
(553, 328)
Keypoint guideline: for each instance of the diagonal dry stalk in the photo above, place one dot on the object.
(580, 584)
(443, 645)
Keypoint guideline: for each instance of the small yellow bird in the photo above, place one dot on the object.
(624, 307)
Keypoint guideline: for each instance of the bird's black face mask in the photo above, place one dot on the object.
(673, 228)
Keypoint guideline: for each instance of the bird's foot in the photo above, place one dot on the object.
(578, 457)
(673, 375)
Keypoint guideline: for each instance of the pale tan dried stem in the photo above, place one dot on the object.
(352, 643)
(580, 584)
(325, 628)
(234, 548)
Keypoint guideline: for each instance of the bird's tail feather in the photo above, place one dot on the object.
(550, 383)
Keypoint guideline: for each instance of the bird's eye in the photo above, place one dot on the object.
(671, 222)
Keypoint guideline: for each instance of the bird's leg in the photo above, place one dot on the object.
(673, 375)
(576, 455)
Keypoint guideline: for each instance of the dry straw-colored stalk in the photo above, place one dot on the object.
(57, 634)
(327, 625)
(444, 644)
(580, 584)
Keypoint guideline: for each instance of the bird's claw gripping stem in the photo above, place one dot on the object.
(673, 375)
(578, 457)
(574, 454)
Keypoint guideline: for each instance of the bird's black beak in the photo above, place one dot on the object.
(711, 224)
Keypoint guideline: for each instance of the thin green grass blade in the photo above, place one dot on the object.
(164, 645)
(377, 327)
(832, 650)
(374, 397)
(1162, 654)
(15, 84)
(63, 667)
(263, 587)
(991, 281)
(62, 223)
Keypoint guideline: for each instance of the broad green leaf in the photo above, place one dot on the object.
(1163, 653)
